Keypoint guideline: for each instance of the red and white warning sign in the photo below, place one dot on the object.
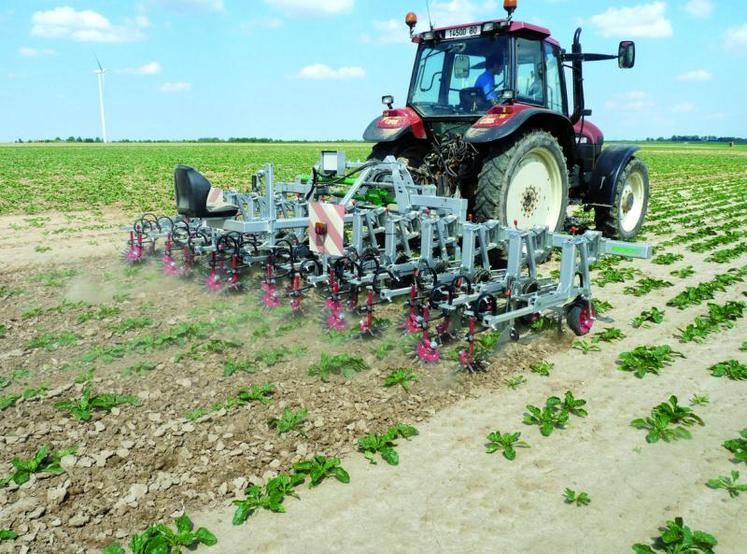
(326, 228)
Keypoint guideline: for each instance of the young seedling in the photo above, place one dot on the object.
(608, 335)
(555, 414)
(728, 483)
(683, 273)
(667, 259)
(738, 446)
(579, 499)
(320, 467)
(232, 366)
(507, 442)
(83, 409)
(720, 317)
(270, 499)
(7, 535)
(346, 364)
(257, 393)
(699, 400)
(139, 368)
(162, 539)
(743, 348)
(585, 346)
(732, 369)
(677, 414)
(384, 444)
(515, 381)
(197, 413)
(44, 461)
(647, 359)
(289, 420)
(677, 538)
(402, 376)
(542, 368)
(665, 415)
(654, 315)
(569, 404)
(646, 285)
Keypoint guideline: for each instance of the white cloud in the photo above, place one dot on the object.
(192, 6)
(36, 52)
(735, 38)
(699, 8)
(387, 32)
(695, 75)
(85, 26)
(684, 107)
(454, 12)
(321, 71)
(642, 21)
(313, 7)
(632, 101)
(261, 23)
(170, 88)
(151, 68)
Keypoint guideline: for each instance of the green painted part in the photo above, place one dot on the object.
(625, 250)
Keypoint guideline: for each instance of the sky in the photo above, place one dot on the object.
(316, 69)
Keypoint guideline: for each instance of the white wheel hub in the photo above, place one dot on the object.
(535, 193)
(631, 202)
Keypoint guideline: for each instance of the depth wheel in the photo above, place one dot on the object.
(624, 219)
(579, 318)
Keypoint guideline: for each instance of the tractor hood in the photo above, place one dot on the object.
(393, 124)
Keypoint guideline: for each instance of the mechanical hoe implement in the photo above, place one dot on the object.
(464, 195)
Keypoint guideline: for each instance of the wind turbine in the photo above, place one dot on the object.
(100, 74)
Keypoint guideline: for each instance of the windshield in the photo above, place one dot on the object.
(460, 77)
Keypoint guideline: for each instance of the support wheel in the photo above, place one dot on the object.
(624, 219)
(579, 318)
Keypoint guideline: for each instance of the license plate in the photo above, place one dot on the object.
(462, 32)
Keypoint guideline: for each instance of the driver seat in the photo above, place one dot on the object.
(192, 190)
(472, 99)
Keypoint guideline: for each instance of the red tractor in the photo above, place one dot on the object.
(487, 118)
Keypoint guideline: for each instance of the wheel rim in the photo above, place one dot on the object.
(631, 202)
(535, 193)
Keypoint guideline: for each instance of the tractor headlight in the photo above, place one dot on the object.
(489, 27)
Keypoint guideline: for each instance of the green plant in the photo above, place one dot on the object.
(743, 348)
(608, 335)
(555, 413)
(585, 346)
(54, 279)
(719, 317)
(579, 499)
(677, 538)
(654, 315)
(676, 413)
(102, 313)
(8, 400)
(647, 359)
(194, 414)
(257, 393)
(658, 428)
(383, 349)
(728, 483)
(345, 364)
(683, 273)
(401, 376)
(8, 535)
(384, 444)
(667, 259)
(161, 539)
(270, 499)
(83, 409)
(601, 306)
(53, 341)
(738, 446)
(320, 467)
(699, 400)
(232, 366)
(130, 324)
(140, 367)
(507, 442)
(44, 461)
(569, 404)
(732, 369)
(289, 420)
(646, 285)
(515, 381)
(3, 330)
(542, 367)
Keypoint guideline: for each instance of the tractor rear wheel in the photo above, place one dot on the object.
(625, 218)
(524, 181)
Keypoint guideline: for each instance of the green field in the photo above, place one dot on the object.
(137, 177)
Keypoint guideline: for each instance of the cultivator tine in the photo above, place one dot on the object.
(296, 295)
(169, 265)
(370, 326)
(469, 359)
(412, 319)
(426, 349)
(334, 319)
(271, 295)
(135, 252)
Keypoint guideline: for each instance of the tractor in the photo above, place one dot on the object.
(487, 118)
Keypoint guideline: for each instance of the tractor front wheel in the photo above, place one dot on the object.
(524, 182)
(624, 219)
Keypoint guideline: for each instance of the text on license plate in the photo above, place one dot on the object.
(462, 32)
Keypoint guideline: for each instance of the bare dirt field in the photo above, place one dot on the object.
(74, 316)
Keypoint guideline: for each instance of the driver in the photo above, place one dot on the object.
(486, 81)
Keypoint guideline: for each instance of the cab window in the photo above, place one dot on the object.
(555, 100)
(530, 72)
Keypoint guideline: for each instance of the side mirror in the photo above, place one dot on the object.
(388, 101)
(626, 54)
(461, 66)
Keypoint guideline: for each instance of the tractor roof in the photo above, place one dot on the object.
(514, 27)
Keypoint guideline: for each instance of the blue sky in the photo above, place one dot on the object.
(317, 68)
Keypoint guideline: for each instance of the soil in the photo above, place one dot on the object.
(140, 465)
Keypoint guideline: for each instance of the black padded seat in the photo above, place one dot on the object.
(192, 190)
